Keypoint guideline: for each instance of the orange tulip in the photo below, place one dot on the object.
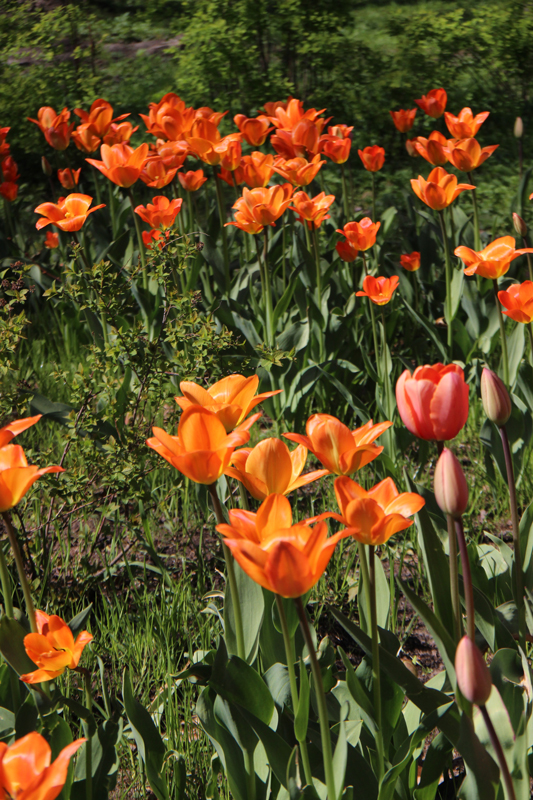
(340, 450)
(9, 190)
(119, 133)
(68, 214)
(404, 119)
(8, 432)
(346, 250)
(433, 103)
(9, 169)
(257, 169)
(373, 516)
(361, 235)
(27, 771)
(192, 180)
(298, 171)
(411, 262)
(379, 290)
(99, 118)
(440, 189)
(434, 149)
(54, 126)
(206, 143)
(337, 149)
(230, 399)
(155, 173)
(287, 116)
(85, 140)
(233, 178)
(202, 449)
(120, 163)
(285, 559)
(230, 151)
(270, 468)
(51, 240)
(494, 260)
(4, 146)
(299, 142)
(312, 210)
(259, 207)
(410, 146)
(172, 153)
(205, 112)
(169, 119)
(255, 130)
(518, 301)
(68, 178)
(53, 648)
(466, 154)
(161, 212)
(433, 401)
(16, 476)
(153, 237)
(373, 157)
(465, 125)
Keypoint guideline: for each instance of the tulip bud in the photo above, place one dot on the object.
(495, 397)
(519, 224)
(473, 676)
(46, 168)
(449, 483)
(518, 128)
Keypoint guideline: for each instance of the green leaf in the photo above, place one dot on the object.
(252, 608)
(301, 719)
(228, 749)
(483, 775)
(238, 683)
(456, 290)
(147, 738)
(428, 326)
(58, 412)
(283, 303)
(436, 761)
(358, 692)
(526, 544)
(515, 348)
(382, 598)
(12, 646)
(340, 758)
(77, 623)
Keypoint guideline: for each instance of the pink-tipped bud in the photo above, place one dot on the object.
(473, 676)
(495, 397)
(45, 166)
(518, 128)
(519, 224)
(451, 488)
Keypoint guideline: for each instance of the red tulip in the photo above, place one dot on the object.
(54, 126)
(433, 401)
(68, 178)
(361, 234)
(373, 157)
(411, 262)
(346, 250)
(433, 103)
(379, 290)
(518, 301)
(403, 119)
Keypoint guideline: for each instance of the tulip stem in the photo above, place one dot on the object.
(477, 235)
(504, 769)
(467, 580)
(321, 701)
(518, 574)
(386, 374)
(88, 744)
(505, 357)
(375, 335)
(317, 263)
(291, 658)
(376, 673)
(220, 205)
(448, 268)
(111, 207)
(239, 634)
(267, 292)
(283, 248)
(6, 585)
(373, 197)
(345, 194)
(530, 332)
(12, 536)
(139, 238)
(454, 578)
(95, 173)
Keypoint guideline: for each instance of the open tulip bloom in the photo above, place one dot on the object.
(55, 127)
(465, 125)
(53, 649)
(27, 771)
(518, 301)
(362, 234)
(259, 207)
(379, 290)
(271, 468)
(440, 189)
(434, 149)
(467, 154)
(16, 475)
(404, 119)
(68, 214)
(161, 212)
(312, 211)
(284, 558)
(433, 103)
(120, 163)
(339, 449)
(494, 260)
(433, 401)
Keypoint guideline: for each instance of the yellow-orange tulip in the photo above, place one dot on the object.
(464, 125)
(373, 516)
(372, 157)
(68, 214)
(169, 119)
(155, 173)
(119, 133)
(287, 116)
(440, 189)
(202, 449)
(257, 169)
(259, 207)
(85, 140)
(312, 211)
(53, 648)
(285, 559)
(121, 163)
(494, 260)
(8, 432)
(161, 212)
(270, 468)
(298, 171)
(466, 154)
(27, 771)
(16, 475)
(99, 117)
(230, 399)
(339, 449)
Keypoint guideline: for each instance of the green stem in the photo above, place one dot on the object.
(239, 634)
(111, 208)
(530, 332)
(375, 335)
(477, 236)
(220, 205)
(88, 744)
(467, 581)
(518, 574)
(386, 374)
(283, 248)
(448, 267)
(505, 357)
(321, 701)
(95, 174)
(139, 239)
(6, 585)
(374, 218)
(454, 578)
(12, 536)
(291, 658)
(345, 194)
(317, 263)
(504, 769)
(268, 287)
(375, 663)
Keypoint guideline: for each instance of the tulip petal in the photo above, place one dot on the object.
(288, 570)
(448, 409)
(16, 427)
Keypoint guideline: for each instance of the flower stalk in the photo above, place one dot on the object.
(448, 274)
(505, 357)
(518, 573)
(12, 536)
(139, 239)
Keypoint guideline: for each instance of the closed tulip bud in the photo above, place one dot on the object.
(449, 483)
(519, 224)
(473, 676)
(518, 128)
(45, 165)
(495, 397)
